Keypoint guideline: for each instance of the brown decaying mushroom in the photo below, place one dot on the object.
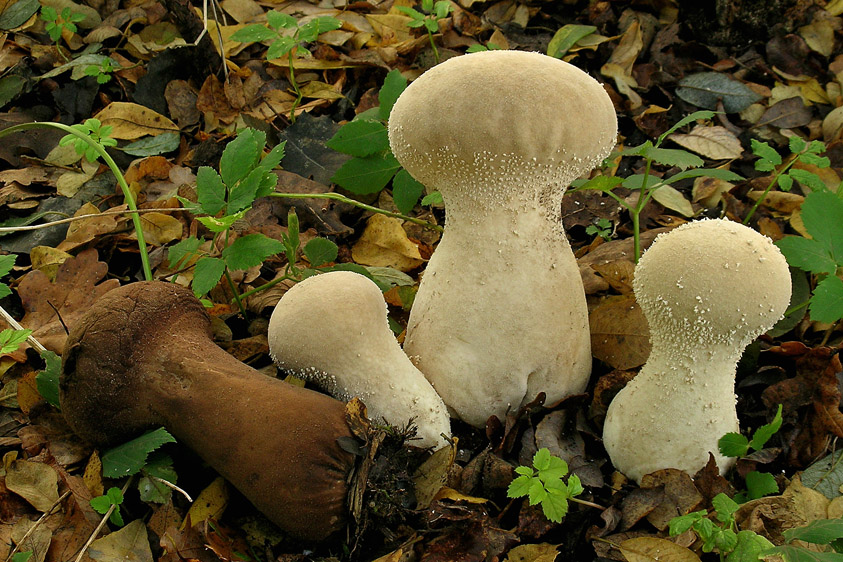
(500, 314)
(143, 357)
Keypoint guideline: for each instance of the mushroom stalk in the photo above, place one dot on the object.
(143, 357)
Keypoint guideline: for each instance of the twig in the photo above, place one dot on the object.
(82, 217)
(35, 526)
(172, 487)
(14, 324)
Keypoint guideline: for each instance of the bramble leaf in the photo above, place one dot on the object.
(206, 274)
(827, 302)
(360, 138)
(129, 458)
(763, 433)
(250, 250)
(320, 251)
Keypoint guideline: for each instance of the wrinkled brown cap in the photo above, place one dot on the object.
(143, 357)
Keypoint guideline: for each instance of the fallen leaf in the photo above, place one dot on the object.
(210, 504)
(705, 89)
(129, 543)
(717, 143)
(385, 244)
(819, 35)
(620, 63)
(84, 230)
(158, 228)
(787, 114)
(69, 183)
(74, 290)
(131, 121)
(37, 539)
(618, 274)
(620, 336)
(543, 552)
(680, 495)
(708, 192)
(652, 549)
(432, 475)
(47, 260)
(35, 482)
(673, 199)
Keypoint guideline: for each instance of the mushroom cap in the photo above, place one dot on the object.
(332, 329)
(491, 122)
(712, 281)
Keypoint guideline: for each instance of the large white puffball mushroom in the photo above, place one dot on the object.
(708, 289)
(500, 314)
(332, 329)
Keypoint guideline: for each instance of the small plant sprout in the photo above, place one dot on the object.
(771, 161)
(719, 534)
(434, 11)
(500, 314)
(758, 484)
(102, 71)
(287, 36)
(544, 484)
(603, 228)
(56, 24)
(96, 131)
(707, 288)
(110, 501)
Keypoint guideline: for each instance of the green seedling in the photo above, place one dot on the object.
(11, 340)
(373, 165)
(602, 228)
(111, 500)
(822, 254)
(94, 130)
(801, 151)
(543, 484)
(55, 24)
(434, 11)
(758, 484)
(480, 47)
(102, 71)
(286, 36)
(645, 183)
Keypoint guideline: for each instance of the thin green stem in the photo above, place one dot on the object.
(266, 286)
(635, 214)
(238, 298)
(112, 165)
(433, 46)
(766, 191)
(344, 199)
(299, 95)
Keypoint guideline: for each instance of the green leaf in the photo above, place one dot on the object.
(519, 487)
(760, 484)
(636, 181)
(367, 175)
(826, 475)
(725, 540)
(705, 89)
(206, 274)
(808, 255)
(748, 547)
(766, 431)
(725, 175)
(101, 504)
(360, 138)
(441, 9)
(575, 487)
(820, 531)
(827, 302)
(542, 459)
(415, 14)
(6, 264)
(181, 250)
(49, 13)
(320, 251)
(316, 27)
(11, 340)
(814, 160)
(807, 178)
(151, 490)
(18, 13)
(393, 85)
(566, 37)
(733, 445)
(273, 159)
(432, 198)
(785, 182)
(674, 157)
(796, 144)
(250, 250)
(537, 491)
(22, 556)
(724, 506)
(406, 191)
(822, 214)
(687, 120)
(223, 223)
(129, 458)
(279, 20)
(682, 523)
(10, 86)
(766, 152)
(242, 195)
(554, 472)
(601, 183)
(253, 33)
(555, 506)
(241, 155)
(280, 47)
(152, 146)
(210, 190)
(797, 554)
(47, 381)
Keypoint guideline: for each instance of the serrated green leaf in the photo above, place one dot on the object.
(519, 487)
(674, 157)
(153, 146)
(311, 30)
(541, 460)
(760, 484)
(206, 274)
(555, 507)
(537, 492)
(766, 431)
(151, 490)
(432, 198)
(250, 250)
(524, 471)
(11, 340)
(807, 178)
(798, 554)
(366, 175)
(682, 523)
(129, 458)
(320, 251)
(6, 264)
(748, 547)
(822, 214)
(274, 157)
(406, 191)
(360, 138)
(254, 33)
(733, 445)
(601, 183)
(636, 181)
(47, 381)
(413, 13)
(764, 166)
(280, 47)
(796, 144)
(724, 506)
(566, 37)
(210, 191)
(725, 175)
(820, 531)
(243, 195)
(241, 155)
(223, 223)
(725, 540)
(575, 487)
(393, 85)
(765, 151)
(101, 504)
(806, 254)
(814, 160)
(181, 250)
(827, 302)
(280, 20)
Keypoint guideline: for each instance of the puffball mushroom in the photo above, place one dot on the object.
(500, 314)
(143, 357)
(332, 329)
(707, 288)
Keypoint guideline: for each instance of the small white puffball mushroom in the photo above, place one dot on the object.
(708, 289)
(332, 329)
(500, 314)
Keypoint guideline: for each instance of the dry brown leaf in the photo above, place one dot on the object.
(432, 475)
(159, 229)
(620, 63)
(129, 543)
(35, 482)
(84, 230)
(74, 290)
(544, 552)
(717, 143)
(385, 244)
(673, 199)
(618, 274)
(787, 114)
(652, 549)
(131, 121)
(708, 192)
(619, 333)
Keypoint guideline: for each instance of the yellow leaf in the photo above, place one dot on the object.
(28, 395)
(47, 260)
(35, 482)
(92, 476)
(674, 200)
(158, 228)
(717, 143)
(620, 63)
(131, 121)
(447, 493)
(543, 552)
(69, 183)
(819, 35)
(129, 543)
(391, 28)
(320, 90)
(652, 549)
(385, 244)
(433, 473)
(210, 504)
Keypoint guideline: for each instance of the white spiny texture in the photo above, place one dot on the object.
(332, 329)
(500, 314)
(708, 289)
